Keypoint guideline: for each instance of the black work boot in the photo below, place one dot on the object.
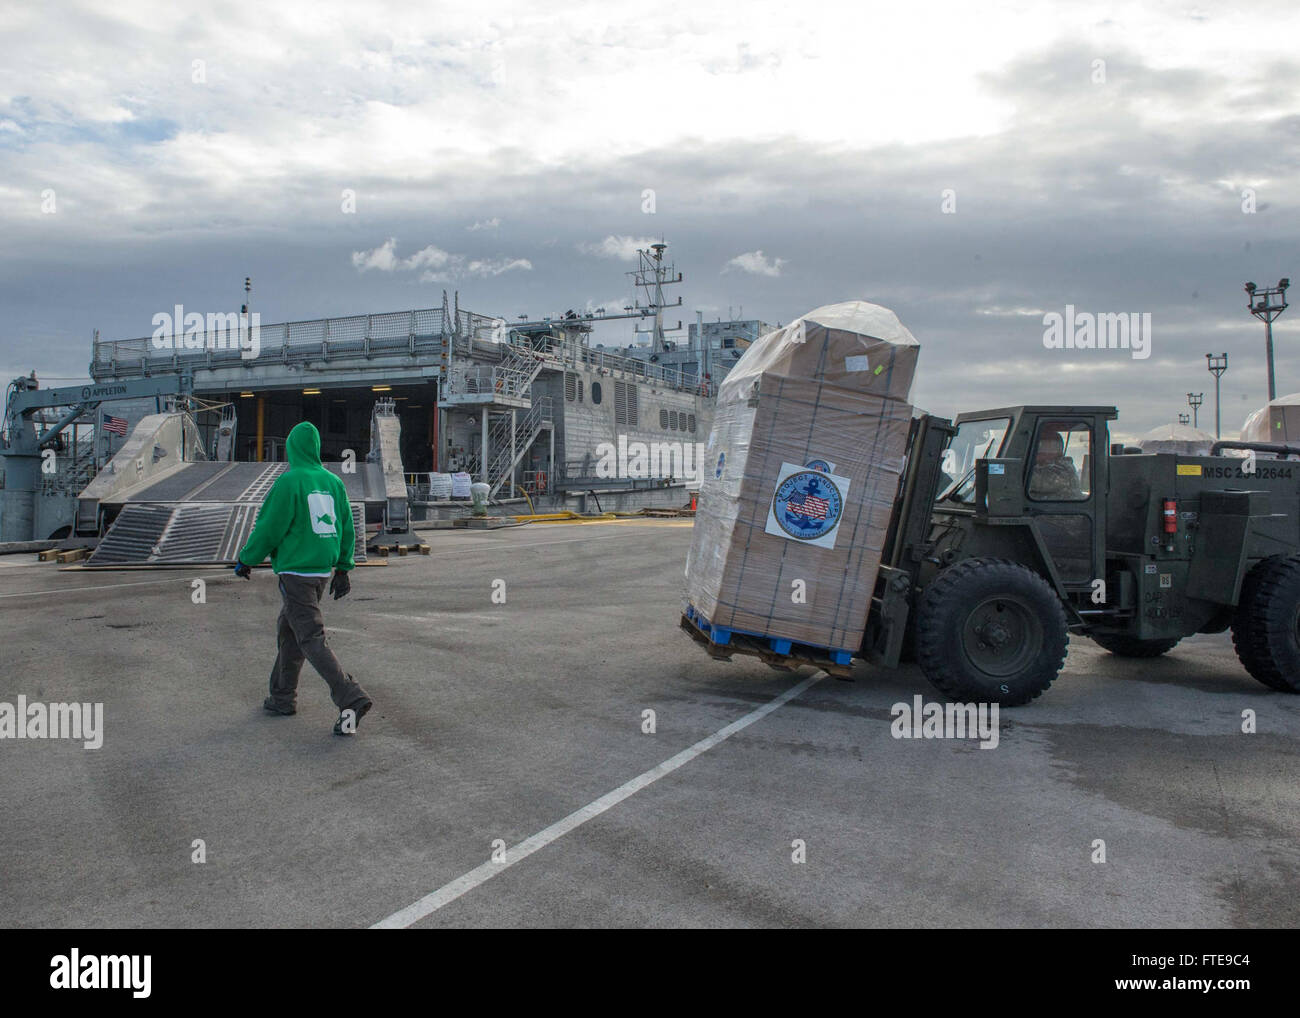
(359, 708)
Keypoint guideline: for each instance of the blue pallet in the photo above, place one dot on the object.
(721, 636)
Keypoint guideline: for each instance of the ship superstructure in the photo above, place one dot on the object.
(529, 408)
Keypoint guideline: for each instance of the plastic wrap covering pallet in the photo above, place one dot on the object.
(1277, 422)
(189, 533)
(722, 643)
(801, 472)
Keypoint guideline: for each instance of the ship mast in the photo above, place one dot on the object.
(652, 275)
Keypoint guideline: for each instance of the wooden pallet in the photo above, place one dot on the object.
(722, 643)
(384, 550)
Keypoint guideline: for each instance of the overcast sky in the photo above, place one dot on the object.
(1099, 155)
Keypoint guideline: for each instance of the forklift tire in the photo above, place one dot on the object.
(1266, 628)
(1129, 646)
(990, 631)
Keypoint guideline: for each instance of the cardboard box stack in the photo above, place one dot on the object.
(800, 475)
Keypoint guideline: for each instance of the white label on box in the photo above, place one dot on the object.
(997, 468)
(807, 505)
(859, 362)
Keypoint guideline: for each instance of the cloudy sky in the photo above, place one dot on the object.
(972, 166)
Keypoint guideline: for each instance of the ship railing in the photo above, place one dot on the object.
(355, 336)
(672, 377)
(489, 380)
(584, 471)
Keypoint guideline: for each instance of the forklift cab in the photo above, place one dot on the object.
(1041, 467)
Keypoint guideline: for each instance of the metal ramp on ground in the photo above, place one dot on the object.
(189, 533)
(203, 513)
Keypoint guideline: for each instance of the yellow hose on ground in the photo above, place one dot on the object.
(524, 492)
(564, 517)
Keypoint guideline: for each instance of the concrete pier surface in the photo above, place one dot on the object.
(510, 774)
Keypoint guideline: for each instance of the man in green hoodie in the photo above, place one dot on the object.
(305, 526)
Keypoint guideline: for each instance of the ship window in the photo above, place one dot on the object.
(580, 388)
(691, 419)
(663, 420)
(570, 388)
(595, 393)
(672, 421)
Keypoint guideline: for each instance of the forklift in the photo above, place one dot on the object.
(1017, 526)
(1014, 527)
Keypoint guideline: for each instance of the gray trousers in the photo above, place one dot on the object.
(300, 633)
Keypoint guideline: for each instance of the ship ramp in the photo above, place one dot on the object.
(155, 507)
(203, 513)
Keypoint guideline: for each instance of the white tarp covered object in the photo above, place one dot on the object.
(1277, 422)
(801, 470)
(1182, 439)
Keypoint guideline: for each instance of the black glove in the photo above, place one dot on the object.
(340, 585)
(243, 571)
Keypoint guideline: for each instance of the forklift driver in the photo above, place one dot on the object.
(1054, 476)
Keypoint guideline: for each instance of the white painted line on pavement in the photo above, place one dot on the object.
(448, 893)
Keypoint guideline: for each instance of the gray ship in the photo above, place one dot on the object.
(402, 399)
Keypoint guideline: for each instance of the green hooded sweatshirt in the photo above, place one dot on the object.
(305, 525)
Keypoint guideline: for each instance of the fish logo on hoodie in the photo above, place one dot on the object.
(320, 508)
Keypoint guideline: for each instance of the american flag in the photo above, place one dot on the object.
(812, 507)
(117, 425)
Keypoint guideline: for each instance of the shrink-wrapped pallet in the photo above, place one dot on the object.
(801, 471)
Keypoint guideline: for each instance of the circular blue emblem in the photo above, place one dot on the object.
(819, 465)
(722, 459)
(807, 505)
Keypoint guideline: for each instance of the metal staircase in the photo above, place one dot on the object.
(521, 365)
(503, 456)
(75, 470)
(505, 384)
(527, 428)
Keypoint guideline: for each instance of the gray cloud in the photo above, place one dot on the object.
(1123, 196)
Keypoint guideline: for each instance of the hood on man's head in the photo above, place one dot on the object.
(303, 445)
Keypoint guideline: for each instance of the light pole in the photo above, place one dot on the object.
(1217, 366)
(1263, 307)
(1184, 419)
(1194, 400)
